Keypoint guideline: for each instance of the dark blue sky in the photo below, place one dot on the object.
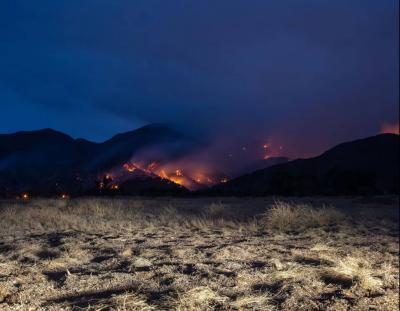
(306, 73)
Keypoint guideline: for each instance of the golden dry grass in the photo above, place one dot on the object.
(199, 254)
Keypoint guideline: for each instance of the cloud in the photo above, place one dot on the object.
(309, 73)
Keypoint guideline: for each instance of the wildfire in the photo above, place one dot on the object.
(108, 177)
(129, 167)
(152, 166)
(390, 128)
(190, 178)
(178, 181)
(114, 187)
(163, 174)
(266, 148)
(178, 173)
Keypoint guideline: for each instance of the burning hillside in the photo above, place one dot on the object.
(179, 172)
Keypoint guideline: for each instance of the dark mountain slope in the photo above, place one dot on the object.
(365, 166)
(156, 141)
(47, 161)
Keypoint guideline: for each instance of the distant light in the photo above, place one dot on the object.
(244, 148)
(25, 196)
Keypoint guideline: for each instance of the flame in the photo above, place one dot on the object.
(152, 166)
(178, 173)
(108, 177)
(266, 148)
(163, 174)
(390, 128)
(178, 181)
(129, 167)
(189, 177)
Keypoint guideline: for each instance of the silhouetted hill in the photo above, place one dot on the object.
(263, 163)
(154, 141)
(365, 166)
(48, 162)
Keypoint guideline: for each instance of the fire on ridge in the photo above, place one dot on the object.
(187, 176)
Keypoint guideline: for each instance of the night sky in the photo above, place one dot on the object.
(301, 74)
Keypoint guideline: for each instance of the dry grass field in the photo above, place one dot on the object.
(199, 254)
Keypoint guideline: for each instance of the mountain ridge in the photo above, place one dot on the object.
(368, 165)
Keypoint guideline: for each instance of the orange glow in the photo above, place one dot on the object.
(390, 128)
(109, 177)
(178, 181)
(152, 166)
(25, 196)
(178, 173)
(115, 187)
(189, 177)
(129, 167)
(164, 175)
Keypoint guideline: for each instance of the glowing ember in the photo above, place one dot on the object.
(108, 177)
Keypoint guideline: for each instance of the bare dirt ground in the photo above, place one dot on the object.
(200, 254)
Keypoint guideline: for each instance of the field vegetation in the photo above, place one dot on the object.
(200, 254)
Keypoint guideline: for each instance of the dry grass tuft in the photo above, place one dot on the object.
(198, 299)
(354, 271)
(285, 216)
(254, 302)
(131, 302)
